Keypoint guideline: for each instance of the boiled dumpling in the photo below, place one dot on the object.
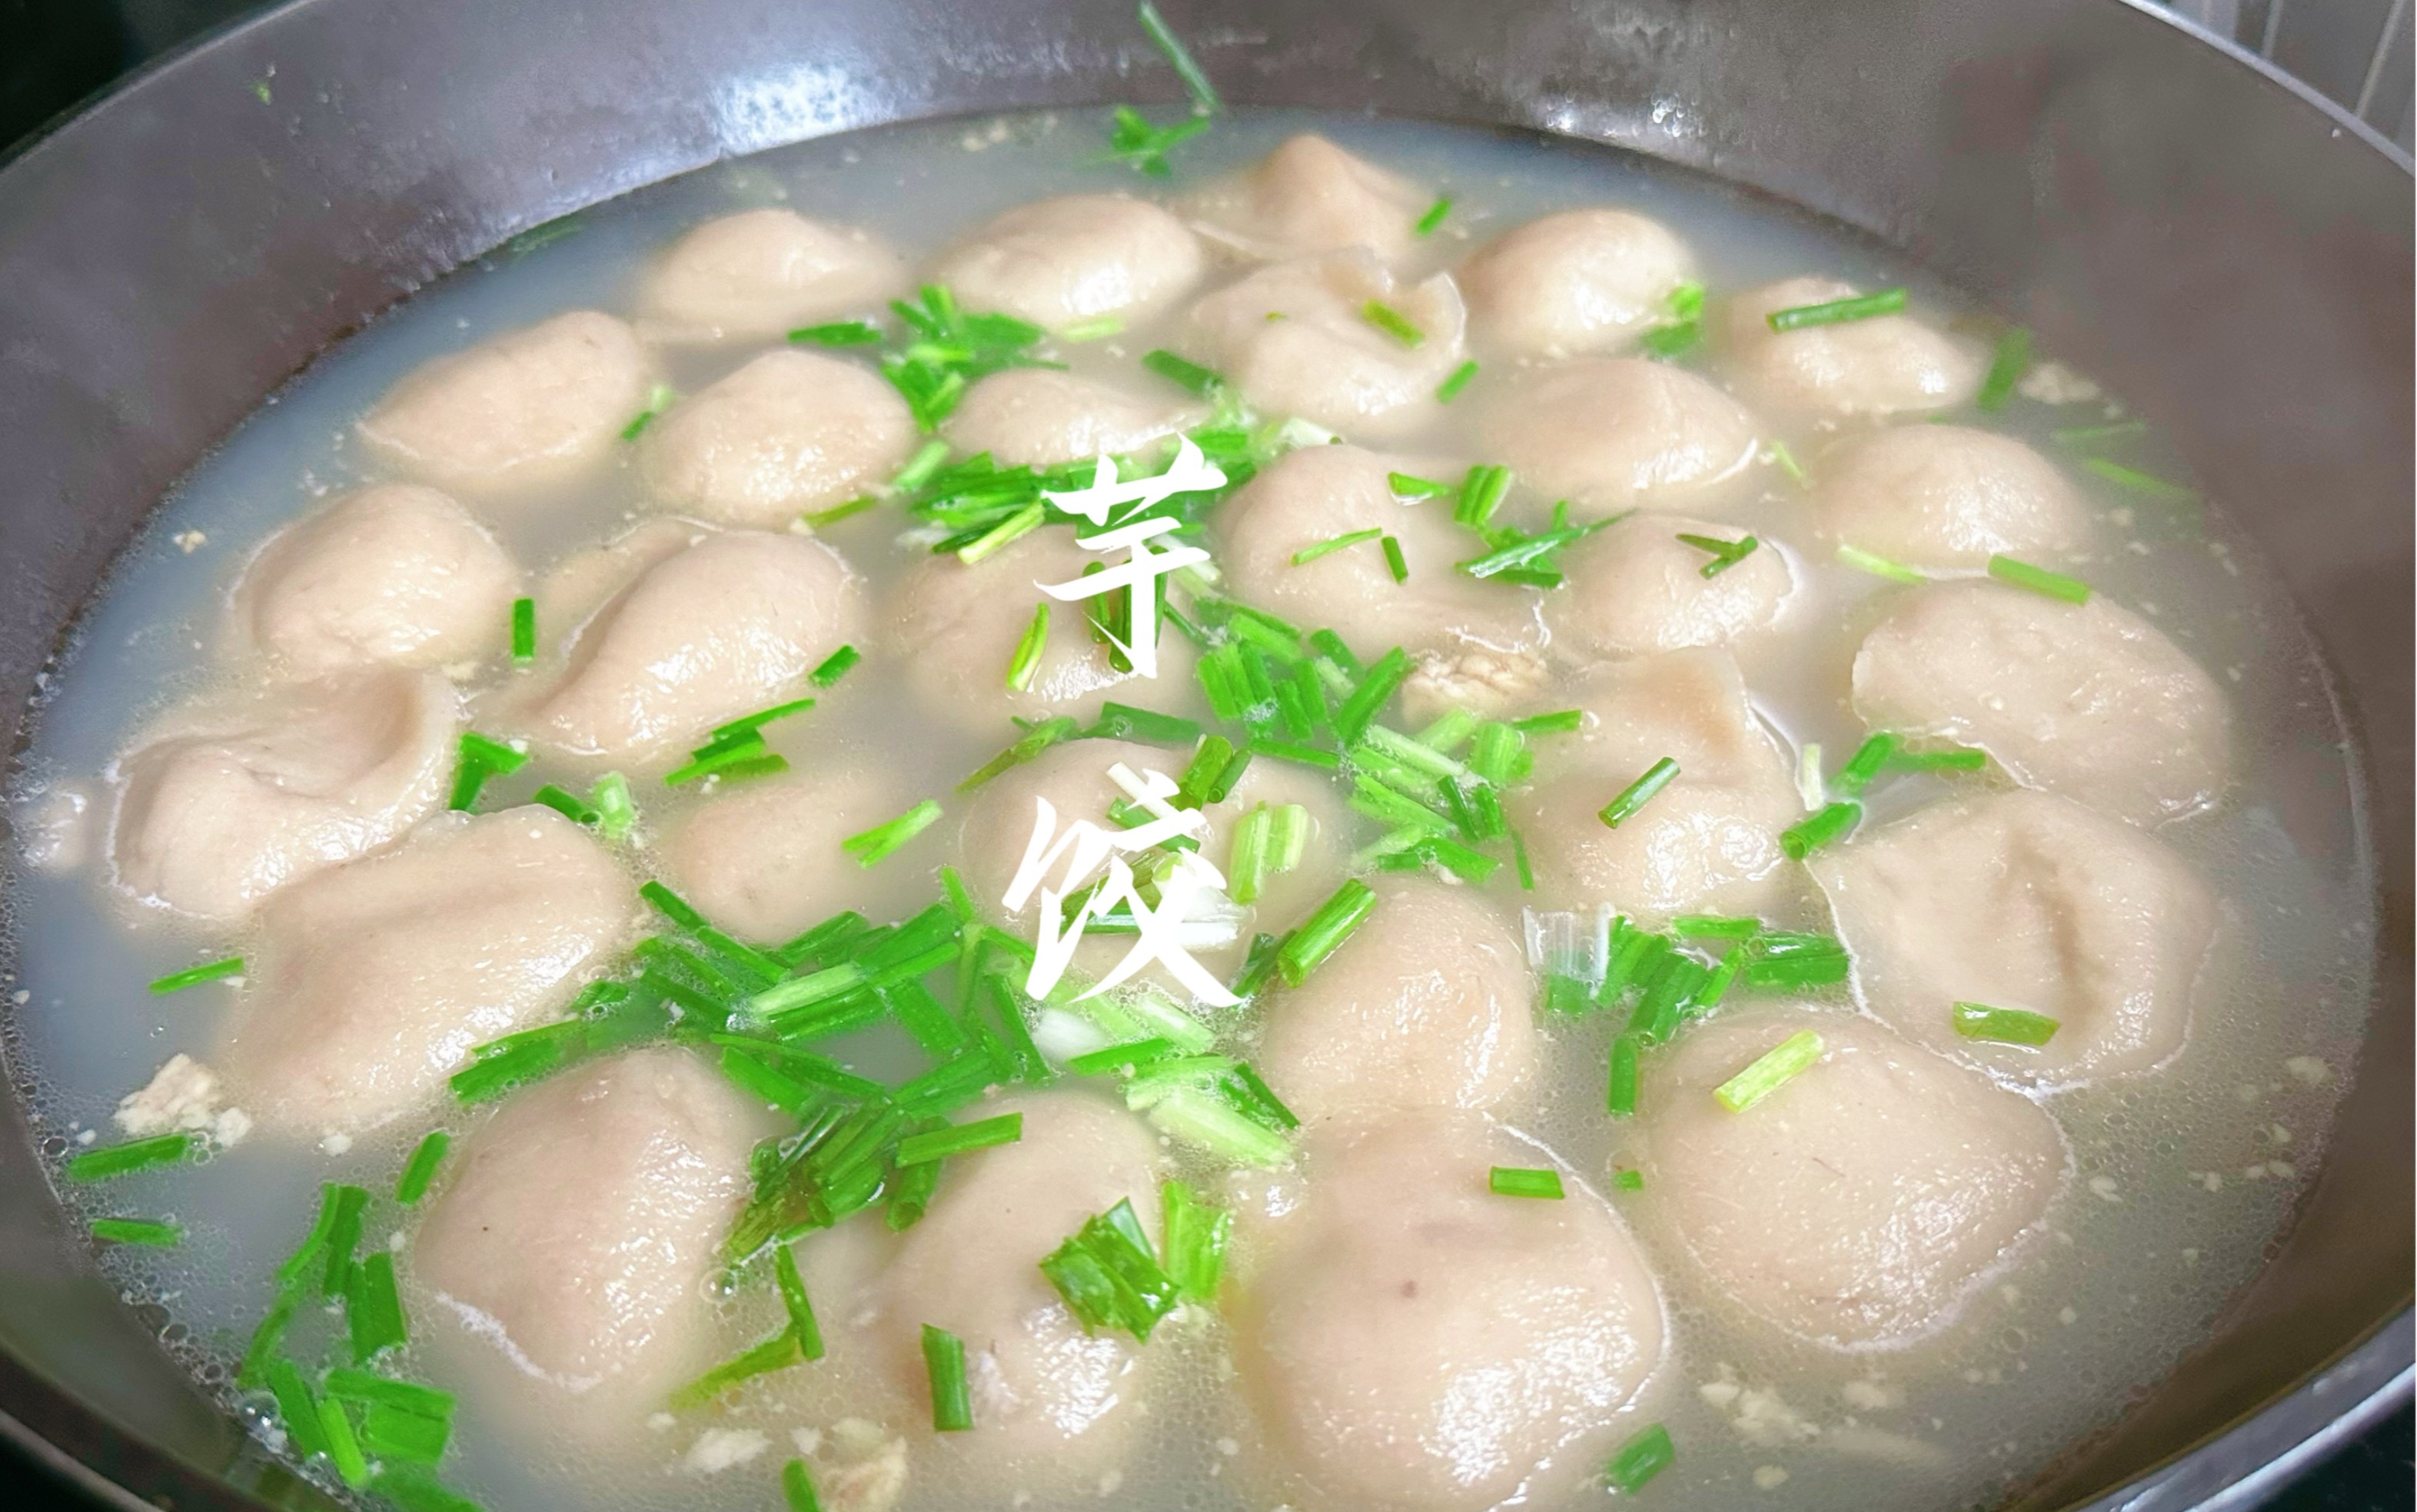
(1574, 283)
(1880, 1186)
(586, 580)
(763, 860)
(223, 804)
(757, 275)
(373, 981)
(1709, 842)
(1296, 340)
(1037, 416)
(789, 433)
(526, 408)
(1613, 433)
(396, 574)
(1942, 496)
(574, 1245)
(1080, 257)
(1635, 588)
(1310, 196)
(2024, 901)
(2090, 700)
(723, 628)
(1428, 1005)
(1410, 1341)
(1885, 365)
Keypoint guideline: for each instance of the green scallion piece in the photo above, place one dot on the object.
(1435, 216)
(673, 906)
(1038, 738)
(1404, 486)
(1109, 1275)
(1714, 927)
(1183, 374)
(1877, 566)
(1871, 758)
(1123, 721)
(798, 1488)
(110, 1161)
(1246, 870)
(2078, 436)
(1558, 722)
(1395, 563)
(209, 971)
(1027, 651)
(838, 333)
(1131, 1054)
(1195, 83)
(1837, 311)
(615, 811)
(1095, 330)
(1193, 1233)
(1770, 1071)
(2010, 359)
(482, 757)
(1950, 759)
(1831, 822)
(393, 1434)
(1023, 523)
(343, 1447)
(658, 399)
(919, 468)
(150, 1232)
(802, 1327)
(834, 666)
(1513, 1181)
(1376, 689)
(1325, 761)
(1450, 389)
(2003, 1026)
(1637, 793)
(1311, 554)
(777, 1352)
(1392, 322)
(297, 1408)
(1481, 490)
(1646, 1454)
(524, 631)
(567, 804)
(1620, 1097)
(873, 845)
(1726, 555)
(1627, 1180)
(2038, 580)
(959, 1138)
(2148, 485)
(1324, 932)
(1780, 457)
(818, 519)
(420, 1169)
(952, 1401)
(373, 1308)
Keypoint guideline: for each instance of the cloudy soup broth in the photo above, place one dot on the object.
(1855, 1120)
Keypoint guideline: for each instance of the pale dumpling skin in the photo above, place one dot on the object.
(1080, 257)
(526, 408)
(725, 628)
(789, 433)
(759, 274)
(395, 574)
(222, 805)
(1292, 338)
(1310, 196)
(1709, 842)
(1635, 588)
(1943, 497)
(1572, 284)
(1037, 417)
(1614, 433)
(586, 580)
(1859, 1203)
(1042, 1386)
(2089, 700)
(1886, 365)
(1410, 1341)
(1429, 1003)
(763, 860)
(571, 1246)
(373, 981)
(2025, 900)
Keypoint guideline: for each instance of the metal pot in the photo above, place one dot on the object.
(2231, 252)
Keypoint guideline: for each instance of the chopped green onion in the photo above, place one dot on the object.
(834, 666)
(1123, 721)
(2147, 484)
(1407, 486)
(482, 757)
(1951, 759)
(1394, 562)
(392, 1433)
(952, 1402)
(114, 1160)
(1646, 1454)
(919, 468)
(1500, 753)
(1450, 389)
(2038, 580)
(959, 1138)
(1374, 690)
(1325, 761)
(819, 518)
(2089, 435)
(2003, 1026)
(797, 1487)
(566, 803)
(673, 906)
(1391, 321)
(1311, 554)
(373, 1308)
(1870, 759)
(1096, 329)
(1132, 1054)
(343, 1448)
(1780, 457)
(2007, 363)
(839, 333)
(873, 845)
(1512, 1181)
(1726, 555)
(802, 1327)
(1637, 793)
(209, 971)
(1836, 311)
(1023, 523)
(1714, 927)
(1195, 83)
(1135, 140)
(1194, 1234)
(524, 631)
(1831, 822)
(1183, 374)
(1109, 1277)
(658, 399)
(1038, 738)
(1426, 224)
(615, 809)
(777, 1352)
(1027, 651)
(1677, 335)
(1877, 566)
(146, 1231)
(378, 1391)
(1620, 1097)
(1558, 722)
(1324, 932)
(1202, 1119)
(1783, 961)
(1247, 867)
(1773, 1070)
(420, 1169)
(1628, 1181)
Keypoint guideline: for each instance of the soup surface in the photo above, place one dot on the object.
(1771, 893)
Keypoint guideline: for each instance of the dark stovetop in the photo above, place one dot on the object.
(53, 52)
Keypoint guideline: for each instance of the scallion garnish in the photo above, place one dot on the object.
(1773, 1070)
(1405, 486)
(1627, 1180)
(658, 399)
(1109, 1277)
(373, 1308)
(1877, 566)
(1323, 932)
(1027, 650)
(1192, 1233)
(482, 757)
(420, 1169)
(1098, 328)
(1182, 372)
(1726, 555)
(1646, 1454)
(1376, 689)
(1426, 224)
(567, 804)
(1136, 140)
(802, 1327)
(919, 467)
(1948, 759)
(838, 333)
(2008, 362)
(818, 519)
(944, 1360)
(777, 1352)
(1311, 554)
(1870, 759)
(1450, 389)
(1637, 793)
(1480, 494)
(209, 971)
(959, 1138)
(1513, 1181)
(1619, 1096)
(343, 1448)
(1831, 822)
(2038, 580)
(2003, 1026)
(834, 666)
(1394, 562)
(1683, 329)
(873, 845)
(2081, 436)
(150, 1232)
(1835, 312)
(110, 1161)
(1039, 737)
(1783, 961)
(1392, 322)
(1195, 81)
(797, 1487)
(524, 631)
(1246, 869)
(615, 811)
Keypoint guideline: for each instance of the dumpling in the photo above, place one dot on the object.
(2090, 700)
(1886, 1182)
(1885, 365)
(1042, 1386)
(371, 982)
(723, 628)
(586, 580)
(1428, 1005)
(395, 574)
(1296, 340)
(1635, 588)
(526, 408)
(1613, 433)
(1079, 257)
(763, 860)
(789, 432)
(1943, 496)
(1310, 196)
(223, 804)
(1709, 842)
(573, 1246)
(2024, 901)
(1410, 1341)
(1570, 284)
(759, 274)
(1037, 416)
